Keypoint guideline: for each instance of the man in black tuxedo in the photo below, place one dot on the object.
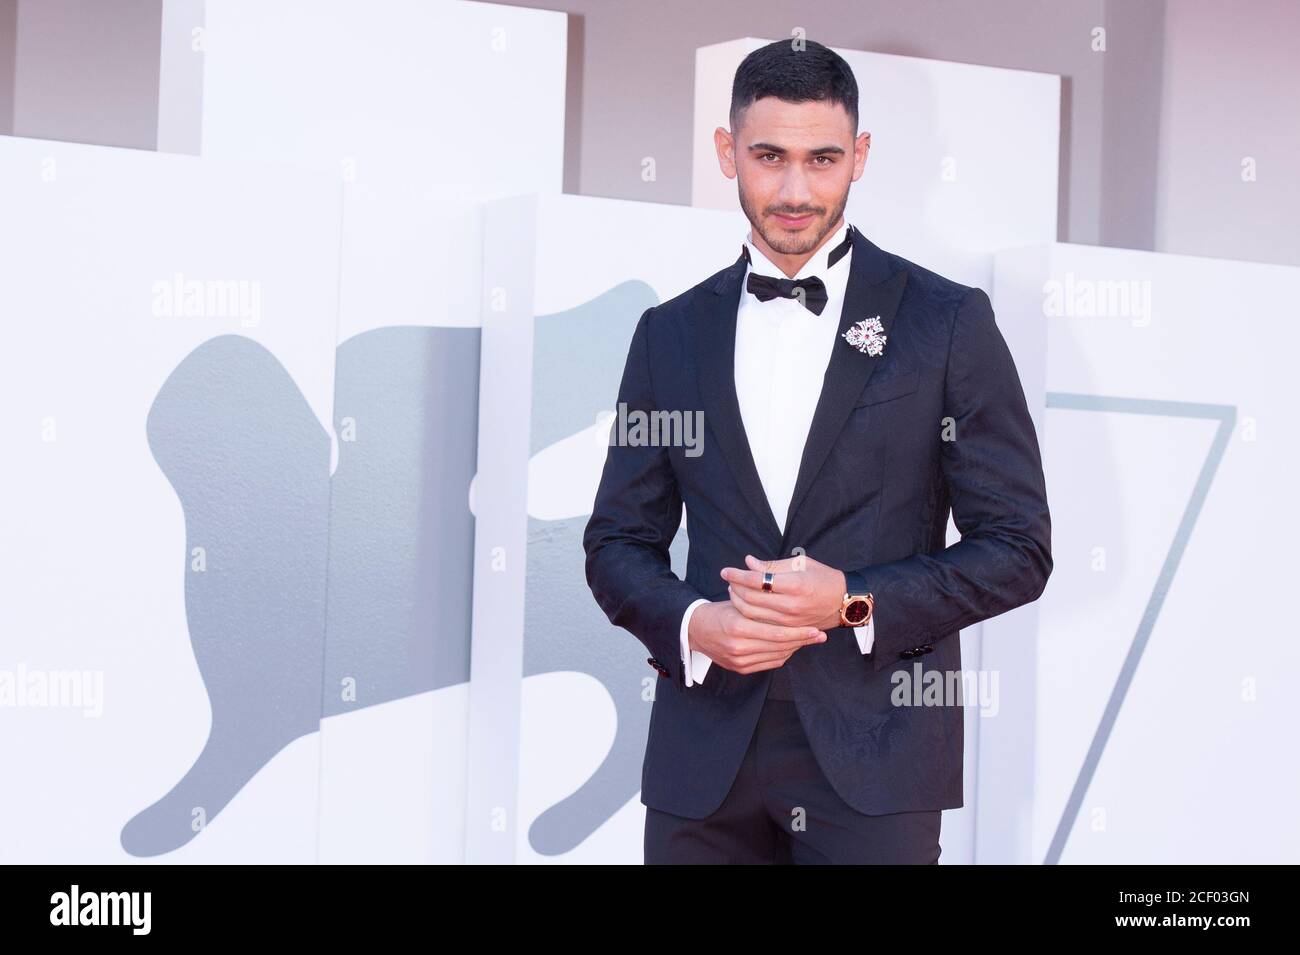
(850, 399)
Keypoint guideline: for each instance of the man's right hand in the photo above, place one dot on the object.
(727, 637)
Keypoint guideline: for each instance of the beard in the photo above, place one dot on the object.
(780, 241)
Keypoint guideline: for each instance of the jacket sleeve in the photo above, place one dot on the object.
(635, 516)
(993, 470)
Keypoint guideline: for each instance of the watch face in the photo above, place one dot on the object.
(856, 611)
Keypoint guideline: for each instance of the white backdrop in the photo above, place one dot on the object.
(1135, 724)
(599, 263)
(325, 171)
(1162, 730)
(381, 100)
(95, 535)
(422, 95)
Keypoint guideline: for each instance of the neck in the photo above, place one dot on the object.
(791, 264)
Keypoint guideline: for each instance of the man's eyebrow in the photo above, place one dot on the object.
(781, 150)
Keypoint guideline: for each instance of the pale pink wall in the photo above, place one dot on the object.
(636, 66)
(1232, 90)
(1154, 128)
(8, 36)
(87, 71)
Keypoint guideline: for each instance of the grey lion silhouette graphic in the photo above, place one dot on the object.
(309, 594)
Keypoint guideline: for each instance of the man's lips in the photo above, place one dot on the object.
(794, 222)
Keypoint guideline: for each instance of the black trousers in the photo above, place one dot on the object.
(782, 810)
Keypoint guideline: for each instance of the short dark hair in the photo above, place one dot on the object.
(779, 69)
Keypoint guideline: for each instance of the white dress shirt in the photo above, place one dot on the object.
(782, 350)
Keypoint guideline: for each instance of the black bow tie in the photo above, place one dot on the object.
(811, 290)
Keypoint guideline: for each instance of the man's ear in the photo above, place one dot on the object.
(861, 146)
(725, 144)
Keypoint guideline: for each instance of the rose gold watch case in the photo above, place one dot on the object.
(850, 600)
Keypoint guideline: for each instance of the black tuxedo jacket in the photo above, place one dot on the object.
(936, 422)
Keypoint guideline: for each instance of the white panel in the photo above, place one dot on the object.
(392, 786)
(93, 528)
(408, 260)
(1193, 628)
(585, 248)
(431, 95)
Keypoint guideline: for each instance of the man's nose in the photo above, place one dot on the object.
(794, 192)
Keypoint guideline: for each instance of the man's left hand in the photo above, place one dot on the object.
(805, 593)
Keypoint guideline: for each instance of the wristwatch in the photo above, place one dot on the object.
(857, 606)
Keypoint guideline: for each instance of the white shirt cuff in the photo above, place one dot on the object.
(699, 663)
(866, 635)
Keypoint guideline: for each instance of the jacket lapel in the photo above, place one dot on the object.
(715, 330)
(875, 287)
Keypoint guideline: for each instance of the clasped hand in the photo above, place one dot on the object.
(804, 592)
(754, 630)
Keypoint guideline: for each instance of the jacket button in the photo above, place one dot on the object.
(907, 654)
